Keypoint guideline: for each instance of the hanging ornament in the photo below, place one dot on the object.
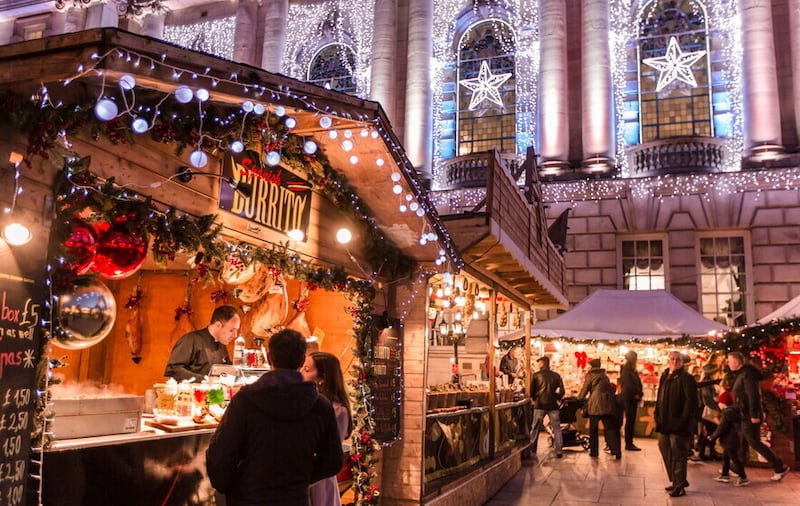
(80, 249)
(119, 254)
(85, 315)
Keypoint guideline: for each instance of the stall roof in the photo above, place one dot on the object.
(625, 314)
(789, 310)
(101, 57)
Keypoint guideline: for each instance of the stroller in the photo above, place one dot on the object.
(568, 413)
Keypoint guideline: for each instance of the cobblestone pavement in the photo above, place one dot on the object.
(638, 478)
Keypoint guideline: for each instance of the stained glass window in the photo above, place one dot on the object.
(332, 67)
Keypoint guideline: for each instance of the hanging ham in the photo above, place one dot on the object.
(298, 321)
(183, 316)
(270, 311)
(133, 327)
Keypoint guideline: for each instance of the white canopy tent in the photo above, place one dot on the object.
(788, 310)
(626, 314)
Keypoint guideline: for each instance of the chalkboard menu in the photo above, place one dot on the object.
(387, 388)
(21, 303)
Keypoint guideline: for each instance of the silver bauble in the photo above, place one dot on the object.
(84, 315)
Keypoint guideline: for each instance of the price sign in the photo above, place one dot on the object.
(387, 386)
(22, 292)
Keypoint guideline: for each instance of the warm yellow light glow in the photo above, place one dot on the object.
(344, 236)
(17, 234)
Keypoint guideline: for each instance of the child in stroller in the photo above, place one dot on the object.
(568, 412)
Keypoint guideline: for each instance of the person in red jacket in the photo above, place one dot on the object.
(277, 436)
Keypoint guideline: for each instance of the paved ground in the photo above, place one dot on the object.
(638, 478)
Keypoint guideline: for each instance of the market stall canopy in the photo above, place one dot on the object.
(788, 310)
(626, 314)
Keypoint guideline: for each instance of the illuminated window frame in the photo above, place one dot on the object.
(649, 270)
(717, 269)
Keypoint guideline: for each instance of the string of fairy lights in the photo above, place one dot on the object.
(213, 36)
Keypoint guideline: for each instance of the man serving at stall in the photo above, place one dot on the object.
(194, 353)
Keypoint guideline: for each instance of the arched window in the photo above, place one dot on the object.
(672, 84)
(332, 67)
(485, 89)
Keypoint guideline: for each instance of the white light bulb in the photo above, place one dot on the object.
(140, 125)
(296, 235)
(273, 158)
(409, 197)
(403, 208)
(348, 134)
(202, 94)
(379, 162)
(237, 146)
(354, 159)
(397, 189)
(280, 111)
(325, 122)
(343, 235)
(198, 159)
(374, 134)
(347, 145)
(183, 94)
(17, 234)
(290, 122)
(333, 134)
(259, 109)
(127, 82)
(310, 147)
(395, 176)
(413, 206)
(364, 132)
(105, 109)
(247, 106)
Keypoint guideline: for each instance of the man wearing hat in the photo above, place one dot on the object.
(630, 391)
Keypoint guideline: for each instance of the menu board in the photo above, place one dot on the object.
(387, 389)
(21, 297)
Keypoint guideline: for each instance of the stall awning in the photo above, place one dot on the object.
(626, 314)
(789, 310)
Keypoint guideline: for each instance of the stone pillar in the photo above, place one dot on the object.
(418, 117)
(277, 12)
(596, 83)
(553, 113)
(761, 105)
(6, 31)
(153, 26)
(102, 16)
(794, 26)
(245, 36)
(75, 20)
(384, 42)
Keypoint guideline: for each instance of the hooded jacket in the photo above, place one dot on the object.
(601, 393)
(747, 392)
(277, 436)
(728, 430)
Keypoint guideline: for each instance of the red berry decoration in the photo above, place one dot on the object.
(80, 249)
(119, 254)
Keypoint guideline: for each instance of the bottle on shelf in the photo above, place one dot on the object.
(238, 351)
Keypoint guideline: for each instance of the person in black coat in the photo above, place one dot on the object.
(277, 436)
(630, 393)
(547, 390)
(728, 433)
(511, 366)
(676, 421)
(601, 407)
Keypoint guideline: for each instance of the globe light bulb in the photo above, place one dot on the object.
(310, 147)
(127, 82)
(202, 94)
(237, 146)
(344, 236)
(290, 122)
(364, 132)
(280, 111)
(183, 94)
(379, 162)
(105, 109)
(354, 159)
(333, 134)
(348, 134)
(296, 235)
(17, 234)
(397, 189)
(247, 106)
(259, 109)
(140, 125)
(198, 158)
(273, 158)
(395, 176)
(347, 145)
(325, 122)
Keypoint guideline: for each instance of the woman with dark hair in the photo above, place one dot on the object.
(324, 370)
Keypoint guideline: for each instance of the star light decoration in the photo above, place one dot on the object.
(486, 86)
(674, 65)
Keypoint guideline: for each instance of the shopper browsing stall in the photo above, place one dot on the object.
(601, 407)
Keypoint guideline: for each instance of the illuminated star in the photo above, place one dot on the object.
(485, 86)
(674, 65)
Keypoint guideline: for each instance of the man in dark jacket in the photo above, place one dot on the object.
(747, 396)
(676, 421)
(630, 392)
(601, 407)
(547, 389)
(510, 365)
(194, 353)
(277, 436)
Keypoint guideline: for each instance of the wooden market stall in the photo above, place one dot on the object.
(199, 181)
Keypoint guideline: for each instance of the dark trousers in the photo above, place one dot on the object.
(674, 450)
(751, 432)
(629, 408)
(703, 443)
(611, 428)
(732, 460)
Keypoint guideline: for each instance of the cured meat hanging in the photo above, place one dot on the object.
(183, 315)
(271, 311)
(298, 321)
(133, 327)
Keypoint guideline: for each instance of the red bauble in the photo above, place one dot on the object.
(80, 249)
(119, 254)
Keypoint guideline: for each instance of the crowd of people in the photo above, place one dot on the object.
(692, 416)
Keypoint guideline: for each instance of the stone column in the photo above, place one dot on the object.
(418, 117)
(384, 42)
(794, 26)
(761, 105)
(153, 26)
(596, 83)
(102, 16)
(75, 20)
(553, 113)
(245, 35)
(277, 12)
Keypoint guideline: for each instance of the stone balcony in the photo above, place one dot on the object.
(676, 155)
